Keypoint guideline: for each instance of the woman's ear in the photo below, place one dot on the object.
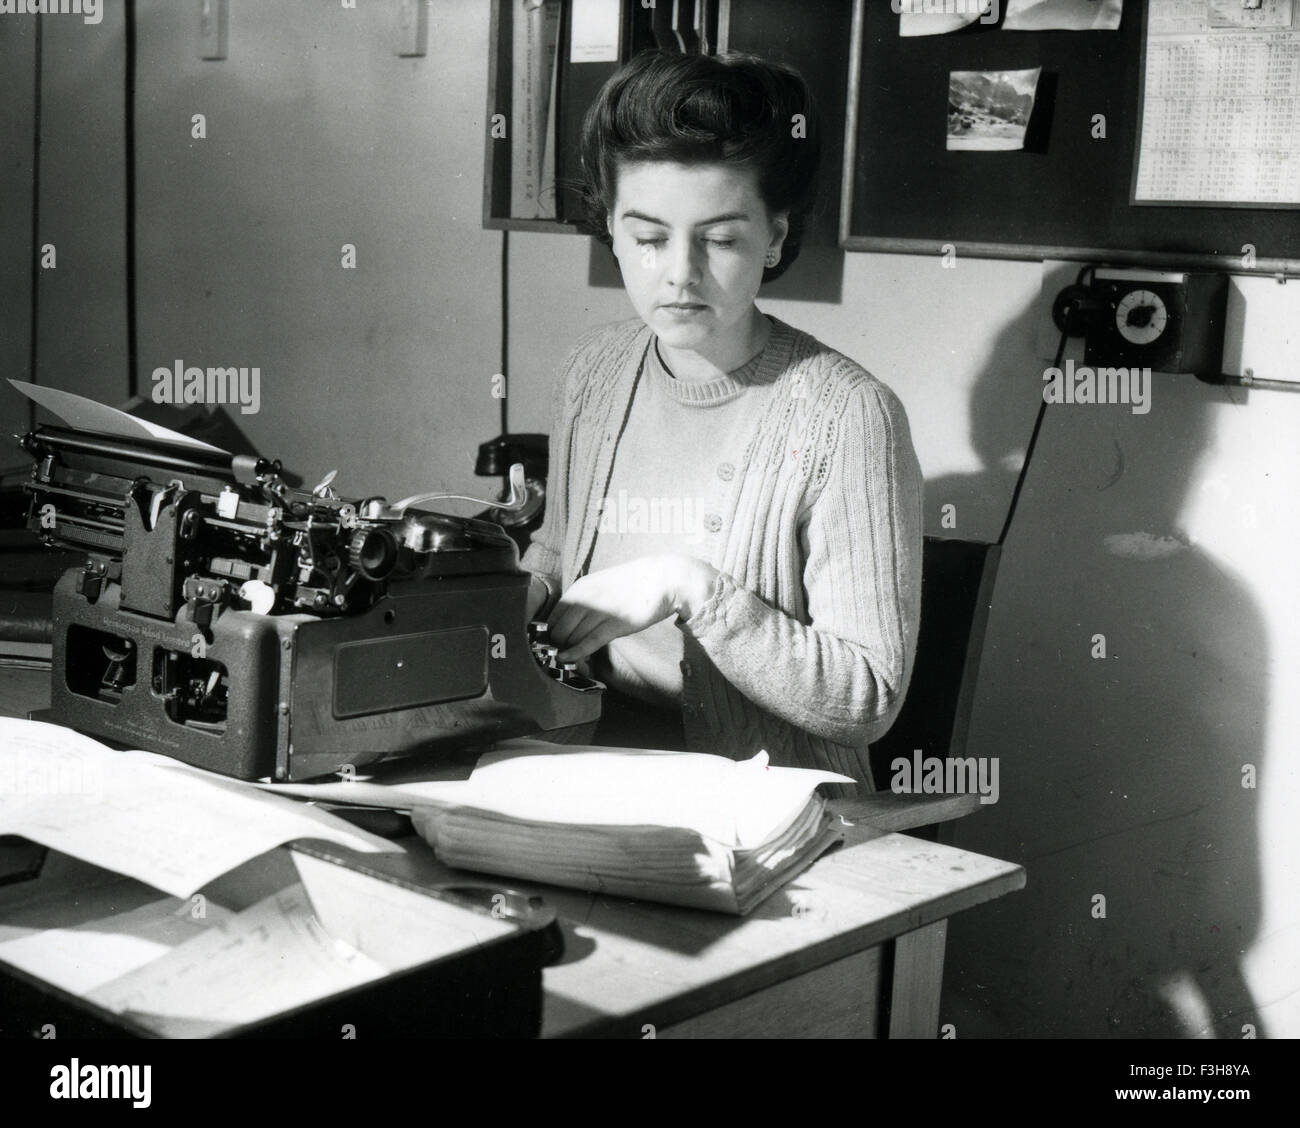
(780, 229)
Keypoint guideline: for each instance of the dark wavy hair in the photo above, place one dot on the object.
(731, 109)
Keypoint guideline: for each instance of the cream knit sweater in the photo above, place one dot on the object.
(805, 646)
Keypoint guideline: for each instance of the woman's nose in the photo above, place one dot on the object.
(682, 268)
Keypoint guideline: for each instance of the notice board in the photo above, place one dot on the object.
(1067, 194)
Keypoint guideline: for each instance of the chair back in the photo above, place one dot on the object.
(956, 590)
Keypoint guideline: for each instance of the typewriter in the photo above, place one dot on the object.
(254, 629)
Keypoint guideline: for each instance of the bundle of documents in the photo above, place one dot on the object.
(682, 827)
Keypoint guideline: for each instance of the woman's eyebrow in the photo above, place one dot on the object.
(724, 218)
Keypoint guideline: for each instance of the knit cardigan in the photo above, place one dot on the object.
(805, 645)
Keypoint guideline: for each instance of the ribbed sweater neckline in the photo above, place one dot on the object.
(764, 368)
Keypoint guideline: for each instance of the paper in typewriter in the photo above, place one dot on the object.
(84, 414)
(686, 828)
(173, 827)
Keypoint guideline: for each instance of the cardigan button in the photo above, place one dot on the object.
(726, 471)
(712, 522)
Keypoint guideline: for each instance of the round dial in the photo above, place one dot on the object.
(1141, 317)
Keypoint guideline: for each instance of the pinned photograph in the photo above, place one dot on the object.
(990, 110)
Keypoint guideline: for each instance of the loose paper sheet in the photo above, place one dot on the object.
(1063, 15)
(121, 926)
(234, 971)
(1269, 13)
(935, 17)
(594, 32)
(171, 827)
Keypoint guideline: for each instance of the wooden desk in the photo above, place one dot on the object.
(22, 690)
(852, 947)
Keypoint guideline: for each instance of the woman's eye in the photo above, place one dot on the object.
(651, 241)
(723, 242)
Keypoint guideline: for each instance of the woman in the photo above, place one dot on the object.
(732, 537)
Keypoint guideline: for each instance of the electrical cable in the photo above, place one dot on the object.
(1038, 426)
(505, 326)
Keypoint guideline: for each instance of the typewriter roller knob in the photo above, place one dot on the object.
(372, 553)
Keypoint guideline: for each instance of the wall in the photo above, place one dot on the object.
(17, 128)
(317, 135)
(81, 310)
(383, 371)
(1173, 534)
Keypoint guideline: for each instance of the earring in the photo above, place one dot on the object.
(773, 257)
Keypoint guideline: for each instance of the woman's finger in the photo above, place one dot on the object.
(599, 633)
(578, 622)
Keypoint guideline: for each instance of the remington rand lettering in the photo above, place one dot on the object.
(232, 621)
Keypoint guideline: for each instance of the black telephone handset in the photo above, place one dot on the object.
(495, 457)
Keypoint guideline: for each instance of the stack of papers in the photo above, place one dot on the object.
(681, 827)
(116, 916)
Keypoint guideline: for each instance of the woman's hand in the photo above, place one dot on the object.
(625, 599)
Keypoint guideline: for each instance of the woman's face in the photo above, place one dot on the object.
(691, 242)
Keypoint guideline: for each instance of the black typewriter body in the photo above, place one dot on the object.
(257, 630)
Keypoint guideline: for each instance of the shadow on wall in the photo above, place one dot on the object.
(1121, 690)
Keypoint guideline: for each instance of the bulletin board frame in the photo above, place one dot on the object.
(1066, 195)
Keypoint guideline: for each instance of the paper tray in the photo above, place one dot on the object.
(304, 941)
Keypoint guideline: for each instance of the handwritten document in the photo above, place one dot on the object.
(118, 926)
(234, 972)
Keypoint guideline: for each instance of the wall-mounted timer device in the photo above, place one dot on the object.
(1163, 320)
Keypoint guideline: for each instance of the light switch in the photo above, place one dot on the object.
(214, 20)
(411, 27)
